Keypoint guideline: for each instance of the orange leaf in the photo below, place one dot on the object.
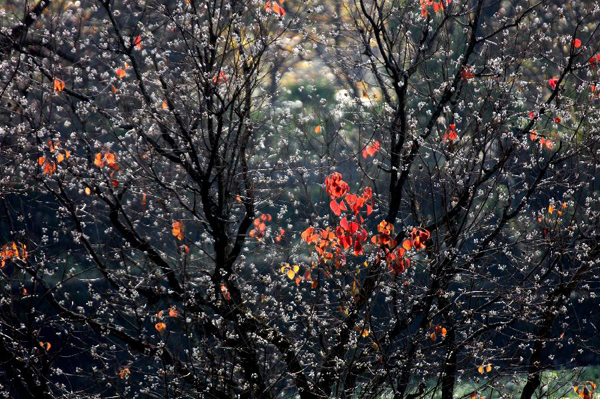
(160, 327)
(59, 85)
(277, 9)
(98, 161)
(165, 105)
(120, 73)
(318, 129)
(124, 372)
(49, 167)
(177, 230)
(111, 161)
(306, 234)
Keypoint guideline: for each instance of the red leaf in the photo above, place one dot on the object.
(371, 149)
(353, 227)
(335, 207)
(346, 242)
(358, 249)
(344, 223)
(343, 206)
(137, 42)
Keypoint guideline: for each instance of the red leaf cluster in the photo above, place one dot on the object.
(335, 186)
(260, 226)
(275, 7)
(436, 5)
(451, 134)
(371, 149)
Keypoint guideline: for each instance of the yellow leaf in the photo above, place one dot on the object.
(291, 274)
(480, 369)
(488, 368)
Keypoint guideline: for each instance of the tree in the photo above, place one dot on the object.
(172, 228)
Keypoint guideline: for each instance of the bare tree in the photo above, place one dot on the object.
(166, 231)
